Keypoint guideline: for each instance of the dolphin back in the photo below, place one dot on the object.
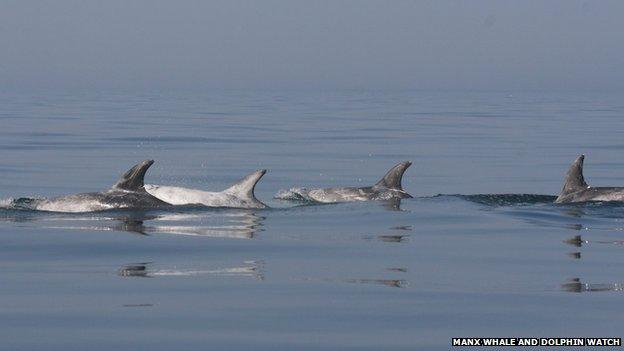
(133, 179)
(574, 180)
(244, 188)
(392, 179)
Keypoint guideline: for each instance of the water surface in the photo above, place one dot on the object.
(490, 256)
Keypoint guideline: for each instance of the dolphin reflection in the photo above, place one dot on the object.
(236, 224)
(388, 238)
(575, 255)
(576, 286)
(578, 241)
(252, 269)
(392, 283)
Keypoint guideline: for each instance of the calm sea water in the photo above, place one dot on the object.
(364, 276)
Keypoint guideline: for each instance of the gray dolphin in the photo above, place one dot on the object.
(128, 192)
(239, 195)
(575, 189)
(387, 188)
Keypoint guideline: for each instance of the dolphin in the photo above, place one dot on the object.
(575, 189)
(128, 192)
(387, 188)
(239, 195)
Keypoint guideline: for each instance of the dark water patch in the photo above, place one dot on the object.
(541, 211)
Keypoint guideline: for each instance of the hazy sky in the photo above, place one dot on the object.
(485, 45)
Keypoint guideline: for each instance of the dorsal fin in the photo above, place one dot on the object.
(244, 188)
(574, 180)
(392, 179)
(132, 180)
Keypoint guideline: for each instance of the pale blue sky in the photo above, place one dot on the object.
(448, 45)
